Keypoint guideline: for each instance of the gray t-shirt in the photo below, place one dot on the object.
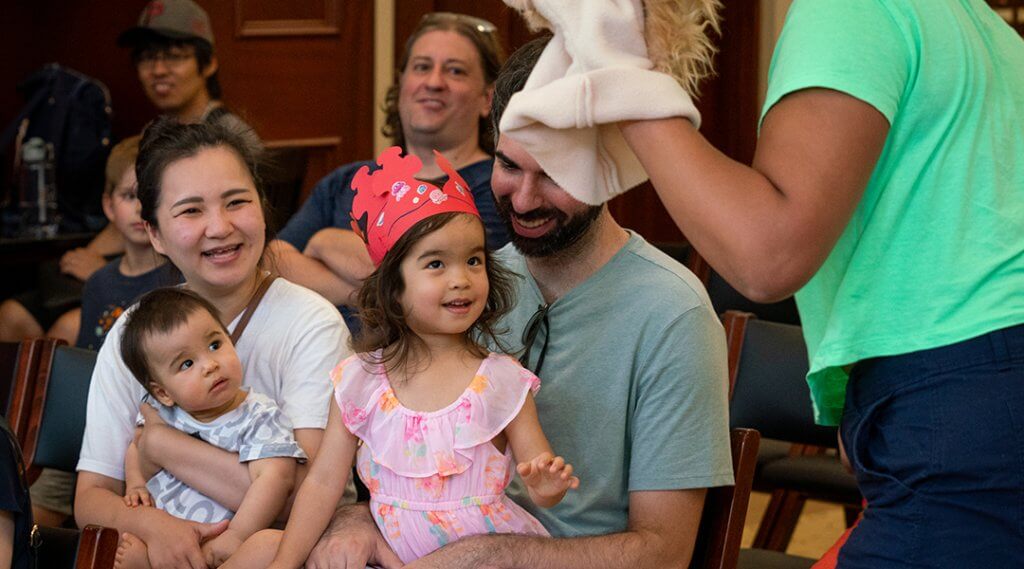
(255, 429)
(634, 385)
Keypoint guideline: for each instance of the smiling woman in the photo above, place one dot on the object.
(204, 210)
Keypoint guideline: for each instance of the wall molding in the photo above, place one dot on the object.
(328, 25)
(315, 142)
(383, 66)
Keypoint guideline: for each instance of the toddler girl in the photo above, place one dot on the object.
(433, 420)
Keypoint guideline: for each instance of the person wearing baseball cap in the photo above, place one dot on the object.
(172, 49)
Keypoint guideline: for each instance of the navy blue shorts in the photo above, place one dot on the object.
(936, 439)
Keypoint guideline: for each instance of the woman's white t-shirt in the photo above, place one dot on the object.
(291, 344)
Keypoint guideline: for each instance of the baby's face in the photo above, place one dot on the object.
(195, 366)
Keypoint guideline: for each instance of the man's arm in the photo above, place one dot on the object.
(767, 228)
(662, 532)
(310, 273)
(343, 252)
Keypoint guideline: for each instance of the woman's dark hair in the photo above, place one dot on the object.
(383, 318)
(200, 47)
(159, 311)
(165, 141)
(484, 37)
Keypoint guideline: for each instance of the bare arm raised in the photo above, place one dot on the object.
(767, 227)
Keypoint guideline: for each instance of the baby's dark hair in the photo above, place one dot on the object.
(380, 307)
(158, 312)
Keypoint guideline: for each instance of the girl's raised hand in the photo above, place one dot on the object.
(547, 477)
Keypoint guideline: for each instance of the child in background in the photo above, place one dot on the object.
(441, 419)
(176, 346)
(105, 296)
(116, 286)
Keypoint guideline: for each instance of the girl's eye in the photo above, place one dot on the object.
(475, 261)
(187, 211)
(214, 345)
(185, 365)
(236, 203)
(435, 264)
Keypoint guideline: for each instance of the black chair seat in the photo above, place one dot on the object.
(58, 547)
(770, 451)
(765, 559)
(821, 477)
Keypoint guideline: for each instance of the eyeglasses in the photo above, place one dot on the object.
(170, 57)
(537, 321)
(481, 25)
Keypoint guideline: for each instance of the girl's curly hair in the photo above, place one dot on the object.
(384, 326)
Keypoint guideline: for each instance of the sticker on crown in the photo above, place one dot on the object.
(399, 189)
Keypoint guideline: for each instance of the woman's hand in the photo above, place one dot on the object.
(173, 543)
(547, 477)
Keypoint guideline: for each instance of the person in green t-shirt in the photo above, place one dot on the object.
(887, 192)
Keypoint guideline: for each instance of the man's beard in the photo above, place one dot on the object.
(567, 231)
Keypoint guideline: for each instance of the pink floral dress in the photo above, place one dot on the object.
(436, 477)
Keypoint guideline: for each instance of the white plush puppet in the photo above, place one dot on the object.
(608, 61)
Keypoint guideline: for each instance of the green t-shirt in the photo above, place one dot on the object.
(934, 253)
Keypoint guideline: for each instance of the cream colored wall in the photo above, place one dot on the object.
(383, 67)
(773, 14)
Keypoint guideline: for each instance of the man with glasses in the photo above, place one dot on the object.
(632, 361)
(172, 48)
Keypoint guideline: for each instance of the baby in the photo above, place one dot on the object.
(177, 348)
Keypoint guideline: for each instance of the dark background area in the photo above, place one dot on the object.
(300, 83)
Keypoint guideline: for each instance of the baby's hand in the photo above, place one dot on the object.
(548, 477)
(137, 496)
(217, 550)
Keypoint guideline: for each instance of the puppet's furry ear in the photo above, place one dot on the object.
(534, 20)
(678, 42)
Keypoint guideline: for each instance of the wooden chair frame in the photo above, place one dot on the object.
(95, 546)
(725, 508)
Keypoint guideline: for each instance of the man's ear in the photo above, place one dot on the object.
(488, 102)
(160, 394)
(211, 67)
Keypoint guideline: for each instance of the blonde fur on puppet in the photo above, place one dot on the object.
(676, 31)
(607, 61)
